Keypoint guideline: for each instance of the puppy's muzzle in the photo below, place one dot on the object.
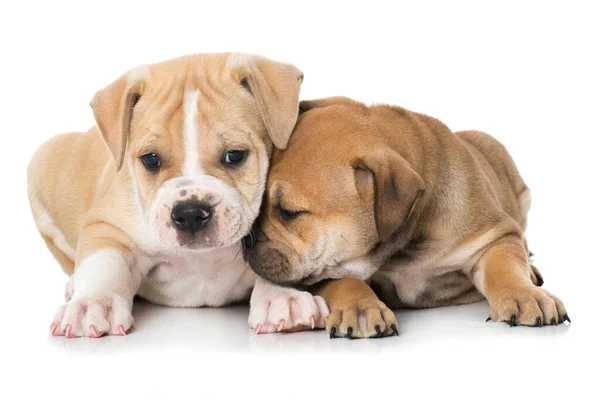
(267, 259)
(191, 216)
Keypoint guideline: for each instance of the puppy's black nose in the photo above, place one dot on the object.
(190, 216)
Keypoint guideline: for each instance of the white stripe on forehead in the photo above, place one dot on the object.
(191, 162)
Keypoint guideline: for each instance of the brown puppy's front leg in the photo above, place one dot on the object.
(502, 274)
(355, 311)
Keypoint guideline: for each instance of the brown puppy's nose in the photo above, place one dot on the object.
(191, 216)
(248, 241)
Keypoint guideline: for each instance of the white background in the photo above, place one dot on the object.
(525, 72)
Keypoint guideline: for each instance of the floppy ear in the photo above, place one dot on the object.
(113, 108)
(306, 105)
(397, 187)
(276, 88)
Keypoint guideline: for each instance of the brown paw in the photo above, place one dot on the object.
(367, 319)
(530, 306)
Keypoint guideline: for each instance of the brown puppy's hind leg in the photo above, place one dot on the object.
(503, 275)
(355, 310)
(536, 276)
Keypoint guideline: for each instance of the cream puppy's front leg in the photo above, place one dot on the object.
(99, 296)
(275, 309)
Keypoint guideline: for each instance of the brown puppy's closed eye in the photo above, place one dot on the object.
(391, 196)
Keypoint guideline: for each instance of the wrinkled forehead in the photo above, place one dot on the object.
(201, 90)
(307, 181)
(319, 158)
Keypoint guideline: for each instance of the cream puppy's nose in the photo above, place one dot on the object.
(191, 216)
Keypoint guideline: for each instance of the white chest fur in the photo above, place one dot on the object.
(187, 279)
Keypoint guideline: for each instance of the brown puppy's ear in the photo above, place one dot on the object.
(306, 105)
(397, 187)
(113, 108)
(276, 88)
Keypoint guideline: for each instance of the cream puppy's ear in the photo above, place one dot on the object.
(276, 88)
(396, 187)
(113, 108)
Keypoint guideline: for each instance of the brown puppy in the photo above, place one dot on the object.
(429, 217)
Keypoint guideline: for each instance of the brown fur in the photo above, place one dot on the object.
(429, 217)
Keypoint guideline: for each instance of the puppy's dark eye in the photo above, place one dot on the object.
(234, 157)
(288, 215)
(151, 161)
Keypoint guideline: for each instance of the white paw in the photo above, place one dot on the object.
(92, 317)
(279, 309)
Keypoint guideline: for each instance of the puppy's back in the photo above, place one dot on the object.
(501, 171)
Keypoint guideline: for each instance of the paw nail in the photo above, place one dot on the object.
(395, 329)
(553, 321)
(258, 329)
(349, 332)
(332, 333)
(488, 319)
(94, 331)
(378, 330)
(281, 325)
(566, 318)
(513, 320)
(68, 331)
(540, 281)
(312, 322)
(538, 322)
(121, 330)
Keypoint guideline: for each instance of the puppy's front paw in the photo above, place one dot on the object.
(365, 319)
(530, 306)
(286, 310)
(93, 317)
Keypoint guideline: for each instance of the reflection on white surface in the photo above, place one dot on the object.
(226, 330)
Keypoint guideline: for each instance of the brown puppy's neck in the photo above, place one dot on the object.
(432, 157)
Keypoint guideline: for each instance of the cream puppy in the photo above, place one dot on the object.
(156, 198)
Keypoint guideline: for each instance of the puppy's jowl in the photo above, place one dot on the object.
(427, 217)
(156, 198)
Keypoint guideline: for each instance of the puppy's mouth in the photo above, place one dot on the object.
(192, 244)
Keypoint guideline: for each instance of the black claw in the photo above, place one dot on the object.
(332, 333)
(566, 318)
(553, 321)
(538, 322)
(395, 329)
(512, 321)
(540, 280)
(531, 254)
(378, 330)
(349, 333)
(488, 319)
